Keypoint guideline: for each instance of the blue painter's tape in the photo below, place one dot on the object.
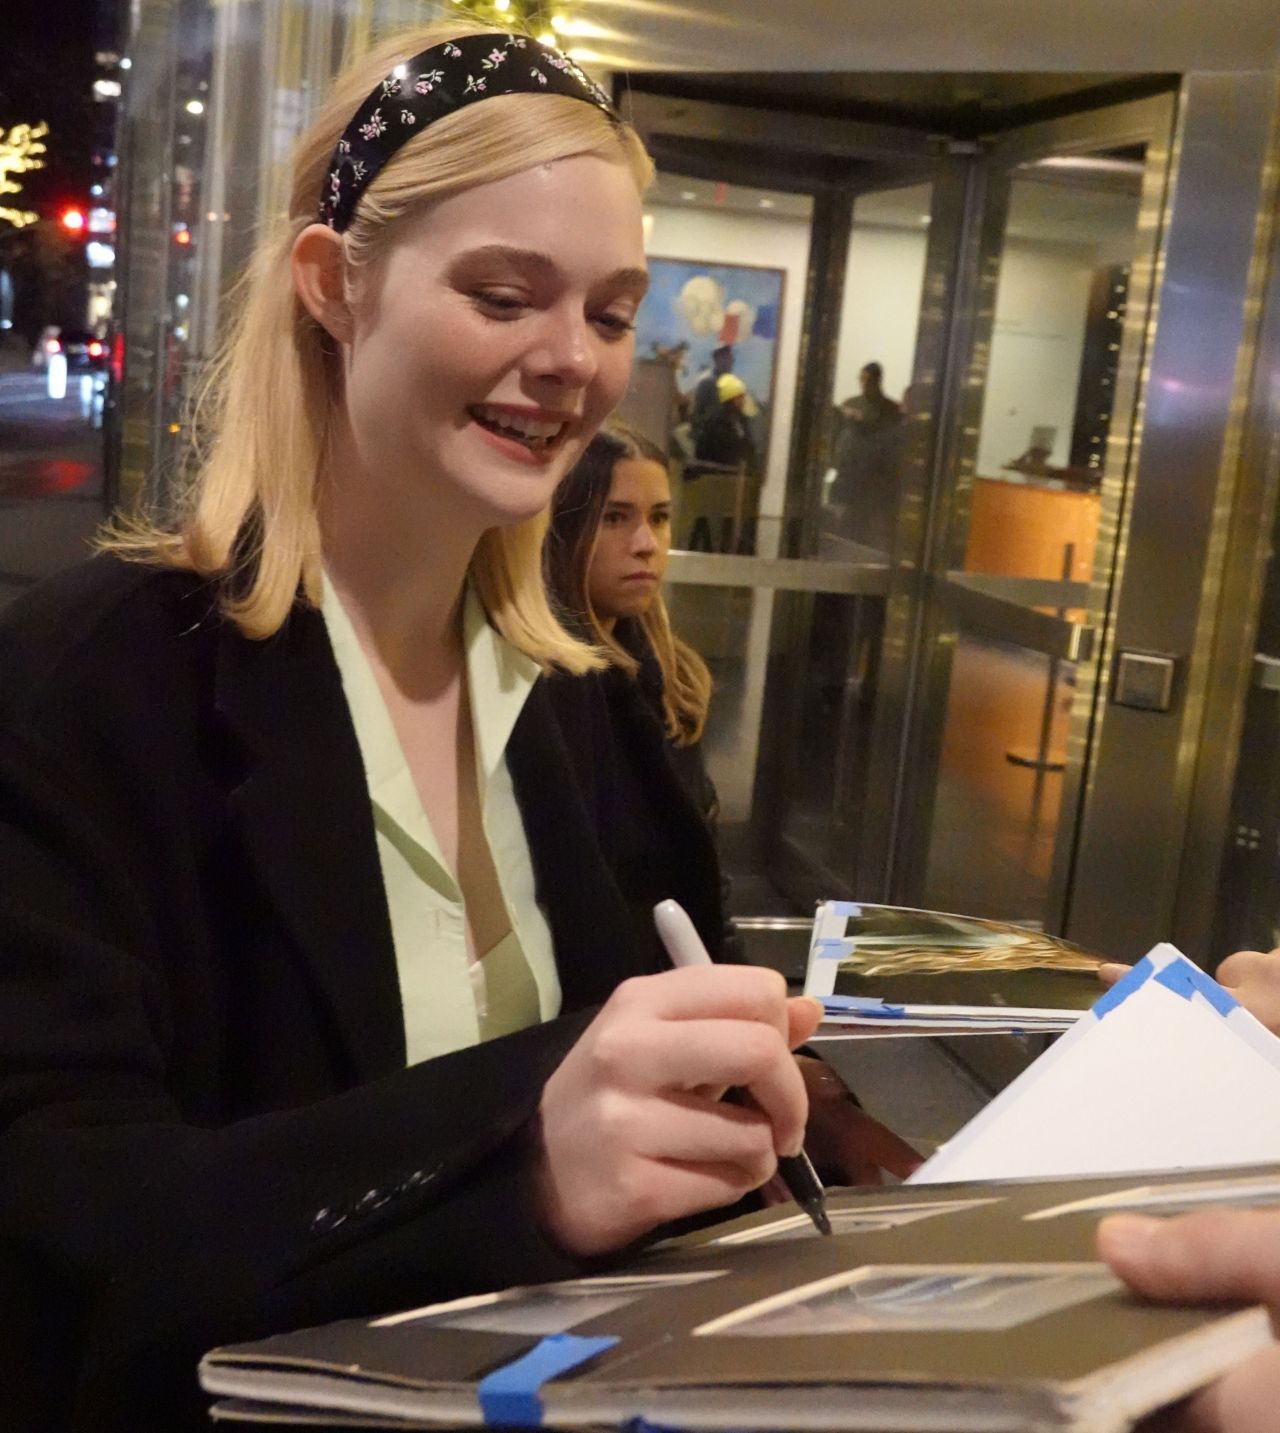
(862, 1005)
(830, 947)
(845, 908)
(1186, 980)
(509, 1395)
(1122, 989)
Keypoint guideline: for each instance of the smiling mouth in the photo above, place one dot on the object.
(537, 434)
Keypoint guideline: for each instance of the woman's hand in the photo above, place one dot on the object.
(1252, 976)
(845, 1144)
(1215, 1256)
(632, 1128)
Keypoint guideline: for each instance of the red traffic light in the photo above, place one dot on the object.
(73, 220)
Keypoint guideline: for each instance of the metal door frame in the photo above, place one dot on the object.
(1207, 456)
(946, 601)
(706, 139)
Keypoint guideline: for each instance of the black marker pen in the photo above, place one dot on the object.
(685, 947)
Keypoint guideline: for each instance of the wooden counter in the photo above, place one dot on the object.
(1020, 527)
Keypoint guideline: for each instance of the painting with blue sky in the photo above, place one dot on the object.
(704, 305)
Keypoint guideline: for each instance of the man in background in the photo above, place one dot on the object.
(706, 397)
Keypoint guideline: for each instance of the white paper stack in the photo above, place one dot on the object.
(1167, 1071)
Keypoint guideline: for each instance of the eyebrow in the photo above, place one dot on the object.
(630, 279)
(617, 505)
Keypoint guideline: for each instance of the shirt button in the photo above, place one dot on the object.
(419, 1177)
(326, 1220)
(370, 1200)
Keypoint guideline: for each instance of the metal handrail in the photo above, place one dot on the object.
(784, 574)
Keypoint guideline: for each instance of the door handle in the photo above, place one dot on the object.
(1266, 672)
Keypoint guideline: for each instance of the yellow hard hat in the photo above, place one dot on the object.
(730, 386)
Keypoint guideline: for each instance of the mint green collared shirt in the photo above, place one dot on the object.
(450, 1001)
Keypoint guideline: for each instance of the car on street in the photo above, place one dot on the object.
(78, 359)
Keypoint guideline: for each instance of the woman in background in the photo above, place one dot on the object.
(605, 557)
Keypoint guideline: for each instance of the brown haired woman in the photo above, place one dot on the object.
(304, 924)
(605, 557)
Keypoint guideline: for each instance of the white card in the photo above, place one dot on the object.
(1167, 1071)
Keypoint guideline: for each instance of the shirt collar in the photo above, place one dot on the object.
(499, 680)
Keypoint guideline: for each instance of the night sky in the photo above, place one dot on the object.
(47, 73)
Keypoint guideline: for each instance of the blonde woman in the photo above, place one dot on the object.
(304, 925)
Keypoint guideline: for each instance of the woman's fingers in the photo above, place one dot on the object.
(629, 1134)
(804, 1015)
(1238, 968)
(691, 1129)
(1216, 1255)
(707, 992)
(693, 1055)
(1110, 973)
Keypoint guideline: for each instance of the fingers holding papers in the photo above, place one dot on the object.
(1217, 1256)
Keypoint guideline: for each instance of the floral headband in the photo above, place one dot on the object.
(435, 83)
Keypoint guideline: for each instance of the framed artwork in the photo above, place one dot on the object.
(693, 307)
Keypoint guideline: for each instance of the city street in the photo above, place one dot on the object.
(50, 478)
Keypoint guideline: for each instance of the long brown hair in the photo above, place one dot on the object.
(248, 517)
(571, 540)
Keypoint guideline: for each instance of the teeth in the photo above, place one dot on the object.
(531, 430)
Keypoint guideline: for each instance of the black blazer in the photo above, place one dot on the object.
(208, 1129)
(651, 809)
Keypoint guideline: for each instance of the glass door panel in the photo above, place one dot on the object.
(874, 430)
(728, 264)
(1014, 662)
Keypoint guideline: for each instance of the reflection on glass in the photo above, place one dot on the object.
(1261, 1191)
(916, 957)
(545, 1308)
(1060, 305)
(996, 811)
(875, 355)
(1048, 419)
(705, 384)
(873, 1219)
(834, 674)
(886, 1298)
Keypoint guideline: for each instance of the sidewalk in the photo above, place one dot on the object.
(15, 354)
(50, 476)
(42, 535)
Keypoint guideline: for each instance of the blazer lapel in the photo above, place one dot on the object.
(305, 819)
(638, 730)
(589, 921)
